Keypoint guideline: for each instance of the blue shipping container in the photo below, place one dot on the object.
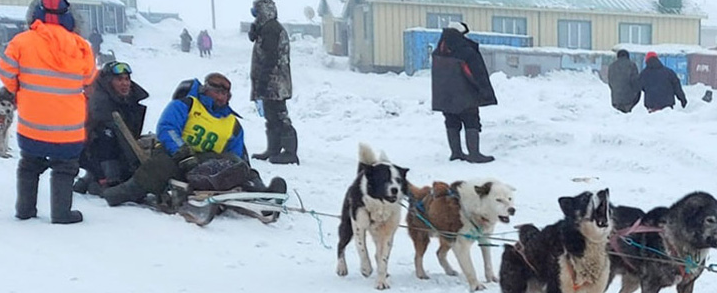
(418, 45)
(677, 62)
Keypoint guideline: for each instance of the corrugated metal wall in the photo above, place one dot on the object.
(391, 19)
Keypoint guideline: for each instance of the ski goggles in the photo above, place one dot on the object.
(120, 68)
(219, 88)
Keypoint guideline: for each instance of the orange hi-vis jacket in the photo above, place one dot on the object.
(47, 68)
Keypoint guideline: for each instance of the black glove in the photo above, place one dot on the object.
(185, 159)
(253, 32)
(683, 102)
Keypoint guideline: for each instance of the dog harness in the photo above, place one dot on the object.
(636, 228)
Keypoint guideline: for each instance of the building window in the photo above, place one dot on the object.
(636, 33)
(574, 34)
(510, 25)
(441, 20)
(366, 24)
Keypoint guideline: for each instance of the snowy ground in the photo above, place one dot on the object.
(544, 132)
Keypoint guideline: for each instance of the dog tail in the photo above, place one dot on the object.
(527, 232)
(366, 155)
(419, 193)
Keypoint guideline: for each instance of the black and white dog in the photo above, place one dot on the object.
(648, 248)
(373, 203)
(568, 256)
(7, 115)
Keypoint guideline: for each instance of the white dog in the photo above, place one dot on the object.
(7, 115)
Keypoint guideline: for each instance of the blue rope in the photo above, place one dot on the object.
(712, 268)
(688, 262)
(321, 230)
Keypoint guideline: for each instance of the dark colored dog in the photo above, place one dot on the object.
(373, 203)
(683, 233)
(568, 256)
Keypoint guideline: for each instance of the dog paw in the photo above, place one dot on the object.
(366, 270)
(478, 287)
(341, 268)
(422, 276)
(382, 285)
(491, 278)
(451, 273)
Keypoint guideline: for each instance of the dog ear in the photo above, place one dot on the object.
(383, 157)
(484, 190)
(362, 167)
(567, 206)
(402, 171)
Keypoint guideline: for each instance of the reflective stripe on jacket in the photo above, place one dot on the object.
(47, 67)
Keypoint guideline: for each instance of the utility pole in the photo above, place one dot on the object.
(214, 19)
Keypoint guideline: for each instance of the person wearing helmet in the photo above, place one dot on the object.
(107, 159)
(47, 68)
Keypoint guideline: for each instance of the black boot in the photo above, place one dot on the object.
(289, 142)
(277, 185)
(127, 191)
(454, 142)
(273, 143)
(61, 179)
(473, 144)
(82, 184)
(28, 176)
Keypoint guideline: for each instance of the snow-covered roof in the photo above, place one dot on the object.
(13, 12)
(98, 2)
(675, 49)
(690, 7)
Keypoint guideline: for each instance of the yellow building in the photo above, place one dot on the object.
(375, 27)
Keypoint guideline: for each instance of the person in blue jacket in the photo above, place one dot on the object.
(201, 142)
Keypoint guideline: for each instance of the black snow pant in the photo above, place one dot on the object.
(469, 118)
(28, 176)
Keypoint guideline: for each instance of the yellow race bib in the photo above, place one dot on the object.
(206, 133)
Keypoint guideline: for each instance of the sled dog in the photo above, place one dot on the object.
(373, 203)
(569, 256)
(470, 207)
(7, 115)
(686, 230)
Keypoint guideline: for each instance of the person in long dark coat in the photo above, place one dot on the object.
(186, 40)
(96, 41)
(460, 85)
(623, 80)
(271, 83)
(660, 84)
(107, 159)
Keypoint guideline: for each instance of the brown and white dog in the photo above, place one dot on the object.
(470, 207)
(373, 203)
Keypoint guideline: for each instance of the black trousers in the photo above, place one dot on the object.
(469, 118)
(276, 114)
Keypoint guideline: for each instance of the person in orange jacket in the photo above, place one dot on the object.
(47, 67)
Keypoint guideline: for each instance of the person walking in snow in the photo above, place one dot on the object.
(204, 44)
(660, 84)
(47, 67)
(271, 83)
(96, 41)
(623, 79)
(205, 148)
(460, 85)
(186, 40)
(107, 158)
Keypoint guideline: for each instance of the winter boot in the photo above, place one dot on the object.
(454, 142)
(83, 183)
(253, 183)
(25, 207)
(61, 179)
(473, 144)
(277, 185)
(289, 142)
(273, 144)
(128, 191)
